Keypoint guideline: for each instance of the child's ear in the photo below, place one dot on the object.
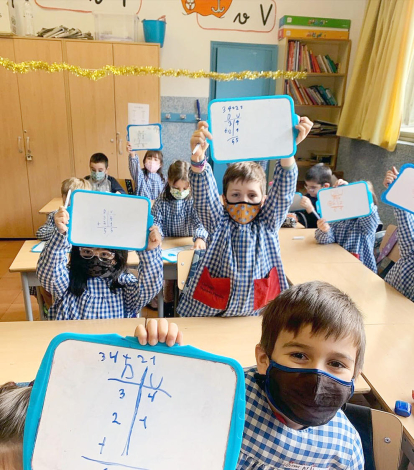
(262, 359)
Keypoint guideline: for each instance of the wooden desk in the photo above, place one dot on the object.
(51, 206)
(25, 263)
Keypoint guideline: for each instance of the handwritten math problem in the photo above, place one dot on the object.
(145, 137)
(107, 223)
(232, 122)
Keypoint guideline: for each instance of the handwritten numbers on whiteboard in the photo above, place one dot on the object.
(115, 420)
(102, 356)
(121, 393)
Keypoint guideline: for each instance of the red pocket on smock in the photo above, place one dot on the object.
(266, 289)
(212, 291)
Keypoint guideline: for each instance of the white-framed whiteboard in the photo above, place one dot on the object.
(145, 136)
(106, 220)
(400, 193)
(344, 202)
(259, 128)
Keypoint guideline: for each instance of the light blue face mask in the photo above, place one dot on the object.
(97, 175)
(177, 194)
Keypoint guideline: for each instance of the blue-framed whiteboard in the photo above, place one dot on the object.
(144, 136)
(108, 402)
(344, 202)
(107, 220)
(257, 128)
(400, 192)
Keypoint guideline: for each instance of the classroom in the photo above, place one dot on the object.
(207, 234)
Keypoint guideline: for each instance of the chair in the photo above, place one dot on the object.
(184, 260)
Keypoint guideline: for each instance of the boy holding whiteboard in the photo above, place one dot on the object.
(242, 268)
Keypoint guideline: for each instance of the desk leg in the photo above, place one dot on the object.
(161, 304)
(26, 297)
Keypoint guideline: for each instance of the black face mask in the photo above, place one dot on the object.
(98, 268)
(310, 397)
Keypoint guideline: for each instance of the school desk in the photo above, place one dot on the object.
(25, 343)
(25, 263)
(51, 206)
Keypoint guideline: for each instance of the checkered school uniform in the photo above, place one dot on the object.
(149, 186)
(46, 231)
(401, 275)
(178, 218)
(97, 301)
(245, 255)
(269, 444)
(355, 235)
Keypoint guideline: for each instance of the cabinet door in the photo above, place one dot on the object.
(92, 106)
(15, 213)
(144, 89)
(45, 123)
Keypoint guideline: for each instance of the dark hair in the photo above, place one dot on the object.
(319, 304)
(374, 196)
(178, 170)
(319, 173)
(14, 401)
(245, 172)
(78, 271)
(151, 153)
(99, 158)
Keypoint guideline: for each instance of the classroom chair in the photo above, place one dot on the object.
(184, 261)
(389, 253)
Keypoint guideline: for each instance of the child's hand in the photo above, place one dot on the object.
(390, 177)
(339, 182)
(199, 137)
(304, 127)
(154, 238)
(160, 331)
(323, 225)
(199, 244)
(306, 203)
(129, 149)
(61, 220)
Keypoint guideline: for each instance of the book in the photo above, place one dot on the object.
(298, 32)
(314, 22)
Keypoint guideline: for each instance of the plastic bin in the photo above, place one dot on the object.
(110, 27)
(154, 31)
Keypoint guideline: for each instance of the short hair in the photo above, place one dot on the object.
(319, 173)
(178, 170)
(318, 304)
(74, 183)
(99, 158)
(245, 172)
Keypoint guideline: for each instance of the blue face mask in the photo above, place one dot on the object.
(97, 175)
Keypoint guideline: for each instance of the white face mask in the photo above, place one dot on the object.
(177, 194)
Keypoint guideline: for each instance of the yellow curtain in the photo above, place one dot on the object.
(375, 98)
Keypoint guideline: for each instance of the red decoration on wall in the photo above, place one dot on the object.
(207, 7)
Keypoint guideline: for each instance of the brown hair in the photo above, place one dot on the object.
(99, 158)
(245, 172)
(151, 153)
(319, 304)
(178, 170)
(374, 196)
(72, 184)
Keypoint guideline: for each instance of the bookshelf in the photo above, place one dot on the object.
(339, 51)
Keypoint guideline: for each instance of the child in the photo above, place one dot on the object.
(242, 268)
(46, 231)
(96, 283)
(355, 235)
(99, 178)
(149, 181)
(401, 275)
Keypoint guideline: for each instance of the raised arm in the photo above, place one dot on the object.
(369, 223)
(197, 227)
(405, 227)
(138, 176)
(46, 231)
(158, 215)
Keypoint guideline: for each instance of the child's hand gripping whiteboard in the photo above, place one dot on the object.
(106, 402)
(107, 220)
(259, 128)
(344, 202)
(145, 137)
(401, 192)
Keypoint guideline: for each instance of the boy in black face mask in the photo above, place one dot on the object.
(311, 351)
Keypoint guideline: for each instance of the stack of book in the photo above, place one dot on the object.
(316, 95)
(302, 59)
(323, 128)
(313, 28)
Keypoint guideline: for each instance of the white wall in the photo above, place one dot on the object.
(187, 45)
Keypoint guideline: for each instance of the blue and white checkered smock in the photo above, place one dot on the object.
(355, 235)
(401, 275)
(177, 218)
(46, 231)
(97, 301)
(149, 186)
(242, 253)
(269, 444)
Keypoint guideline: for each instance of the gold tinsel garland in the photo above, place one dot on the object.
(97, 74)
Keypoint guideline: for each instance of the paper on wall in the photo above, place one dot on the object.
(138, 113)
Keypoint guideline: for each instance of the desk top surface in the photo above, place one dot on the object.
(51, 206)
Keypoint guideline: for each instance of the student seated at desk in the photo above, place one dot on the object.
(99, 178)
(96, 284)
(355, 235)
(401, 275)
(242, 268)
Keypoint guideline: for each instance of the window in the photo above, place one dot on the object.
(407, 125)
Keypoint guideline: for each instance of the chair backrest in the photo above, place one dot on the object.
(184, 260)
(387, 436)
(394, 254)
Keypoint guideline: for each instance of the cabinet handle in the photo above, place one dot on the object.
(118, 138)
(19, 144)
(29, 155)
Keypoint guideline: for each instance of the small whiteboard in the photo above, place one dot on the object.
(107, 220)
(344, 202)
(295, 206)
(401, 192)
(145, 137)
(106, 402)
(260, 128)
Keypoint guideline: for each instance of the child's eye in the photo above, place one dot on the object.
(337, 365)
(298, 355)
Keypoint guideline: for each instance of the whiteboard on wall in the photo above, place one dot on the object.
(259, 128)
(107, 220)
(344, 202)
(145, 137)
(401, 192)
(107, 402)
